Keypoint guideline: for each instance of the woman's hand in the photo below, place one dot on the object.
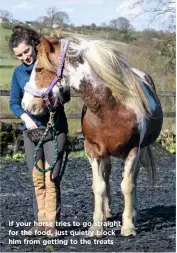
(30, 124)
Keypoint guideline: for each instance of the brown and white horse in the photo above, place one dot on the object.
(123, 115)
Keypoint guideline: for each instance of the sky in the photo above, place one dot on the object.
(82, 11)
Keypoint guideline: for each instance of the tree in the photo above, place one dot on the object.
(121, 23)
(93, 26)
(40, 23)
(56, 17)
(103, 24)
(5, 14)
(113, 23)
(163, 11)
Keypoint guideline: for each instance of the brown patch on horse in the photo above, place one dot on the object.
(110, 136)
(75, 63)
(45, 46)
(98, 98)
(109, 128)
(47, 61)
(43, 77)
(47, 54)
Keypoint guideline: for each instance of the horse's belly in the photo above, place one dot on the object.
(111, 139)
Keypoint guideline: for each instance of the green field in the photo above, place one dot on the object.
(5, 76)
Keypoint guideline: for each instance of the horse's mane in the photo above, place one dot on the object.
(109, 64)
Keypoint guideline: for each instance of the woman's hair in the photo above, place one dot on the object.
(21, 34)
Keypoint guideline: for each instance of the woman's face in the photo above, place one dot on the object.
(25, 53)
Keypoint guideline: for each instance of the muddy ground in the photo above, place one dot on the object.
(155, 227)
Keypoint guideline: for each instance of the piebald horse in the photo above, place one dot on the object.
(123, 114)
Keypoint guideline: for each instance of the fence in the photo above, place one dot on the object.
(77, 115)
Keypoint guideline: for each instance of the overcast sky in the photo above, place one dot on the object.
(82, 11)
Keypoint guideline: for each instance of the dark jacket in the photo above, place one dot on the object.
(20, 77)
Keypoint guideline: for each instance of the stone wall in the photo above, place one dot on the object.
(11, 139)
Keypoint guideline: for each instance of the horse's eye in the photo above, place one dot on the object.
(39, 69)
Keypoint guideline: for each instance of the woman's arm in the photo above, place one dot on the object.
(15, 97)
(15, 104)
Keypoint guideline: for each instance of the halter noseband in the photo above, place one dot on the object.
(44, 95)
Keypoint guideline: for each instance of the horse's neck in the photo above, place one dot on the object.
(97, 99)
(92, 90)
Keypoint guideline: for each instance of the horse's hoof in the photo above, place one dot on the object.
(128, 231)
(95, 231)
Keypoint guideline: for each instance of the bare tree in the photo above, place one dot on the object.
(5, 14)
(40, 23)
(113, 23)
(50, 14)
(56, 17)
(161, 10)
(159, 6)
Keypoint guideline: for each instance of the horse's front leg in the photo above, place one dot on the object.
(101, 201)
(128, 187)
(107, 197)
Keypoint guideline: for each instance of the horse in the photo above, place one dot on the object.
(122, 115)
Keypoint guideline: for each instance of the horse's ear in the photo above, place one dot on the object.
(45, 45)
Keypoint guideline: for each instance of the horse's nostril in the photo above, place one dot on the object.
(34, 107)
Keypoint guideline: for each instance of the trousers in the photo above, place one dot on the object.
(46, 186)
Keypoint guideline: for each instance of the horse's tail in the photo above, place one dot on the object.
(147, 161)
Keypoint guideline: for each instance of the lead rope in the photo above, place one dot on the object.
(50, 125)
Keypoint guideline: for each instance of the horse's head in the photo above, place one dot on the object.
(42, 90)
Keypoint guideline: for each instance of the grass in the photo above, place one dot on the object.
(78, 154)
(74, 126)
(4, 49)
(18, 157)
(4, 105)
(9, 61)
(6, 76)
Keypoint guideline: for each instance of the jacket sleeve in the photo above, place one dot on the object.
(15, 97)
(64, 94)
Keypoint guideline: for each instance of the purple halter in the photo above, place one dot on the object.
(44, 95)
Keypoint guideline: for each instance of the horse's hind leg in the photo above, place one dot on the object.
(101, 170)
(128, 187)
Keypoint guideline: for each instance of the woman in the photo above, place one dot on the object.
(23, 42)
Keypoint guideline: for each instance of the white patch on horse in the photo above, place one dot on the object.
(76, 75)
(99, 185)
(55, 90)
(31, 85)
(27, 97)
(128, 187)
(28, 89)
